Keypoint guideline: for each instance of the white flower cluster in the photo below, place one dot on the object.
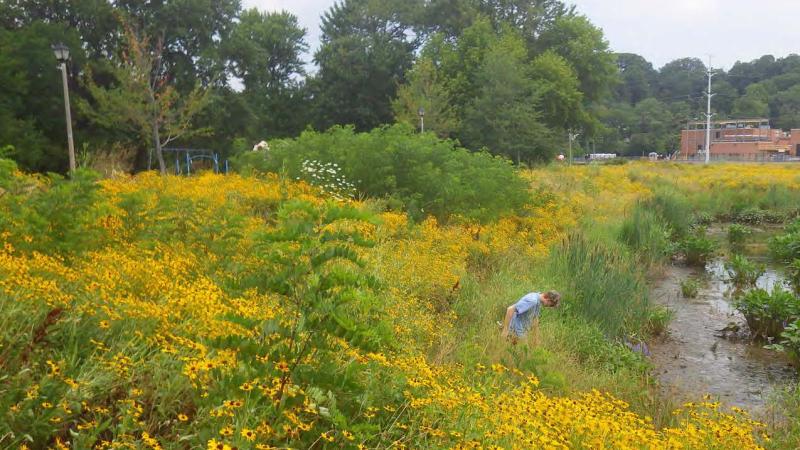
(261, 146)
(328, 177)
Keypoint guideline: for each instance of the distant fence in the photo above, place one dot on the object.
(743, 157)
(739, 157)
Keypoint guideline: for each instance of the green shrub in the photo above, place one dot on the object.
(767, 313)
(742, 271)
(429, 176)
(738, 234)
(757, 216)
(698, 248)
(789, 341)
(659, 320)
(53, 214)
(689, 288)
(793, 270)
(786, 247)
(703, 218)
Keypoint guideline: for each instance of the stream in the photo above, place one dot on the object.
(694, 357)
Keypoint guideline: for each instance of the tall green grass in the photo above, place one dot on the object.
(603, 284)
(645, 232)
(673, 207)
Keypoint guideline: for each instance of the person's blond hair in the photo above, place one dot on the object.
(553, 296)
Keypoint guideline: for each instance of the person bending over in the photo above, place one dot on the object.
(523, 316)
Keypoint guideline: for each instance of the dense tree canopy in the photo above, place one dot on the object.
(514, 77)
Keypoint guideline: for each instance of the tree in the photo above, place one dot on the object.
(558, 90)
(638, 78)
(190, 32)
(264, 51)
(581, 44)
(683, 79)
(31, 97)
(426, 89)
(365, 51)
(529, 17)
(504, 116)
(143, 98)
(788, 108)
(754, 103)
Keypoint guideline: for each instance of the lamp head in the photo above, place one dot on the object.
(61, 51)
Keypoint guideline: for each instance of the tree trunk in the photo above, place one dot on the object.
(157, 142)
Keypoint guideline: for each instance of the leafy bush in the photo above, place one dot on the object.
(742, 271)
(52, 214)
(703, 218)
(738, 234)
(793, 270)
(698, 248)
(786, 247)
(658, 320)
(767, 313)
(757, 216)
(790, 341)
(429, 176)
(689, 288)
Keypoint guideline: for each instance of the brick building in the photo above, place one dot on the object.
(739, 139)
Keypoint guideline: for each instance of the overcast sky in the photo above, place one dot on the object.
(659, 30)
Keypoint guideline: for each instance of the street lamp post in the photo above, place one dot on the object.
(421, 114)
(62, 56)
(572, 136)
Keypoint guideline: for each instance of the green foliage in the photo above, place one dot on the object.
(321, 274)
(429, 176)
(767, 313)
(757, 216)
(793, 271)
(743, 272)
(504, 116)
(602, 284)
(674, 208)
(697, 248)
(789, 341)
(689, 288)
(658, 320)
(786, 247)
(54, 216)
(738, 234)
(426, 89)
(645, 232)
(143, 99)
(366, 50)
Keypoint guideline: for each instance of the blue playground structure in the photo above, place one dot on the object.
(184, 157)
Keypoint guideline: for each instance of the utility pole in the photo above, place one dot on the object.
(710, 74)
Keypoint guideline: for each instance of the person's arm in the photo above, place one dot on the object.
(509, 315)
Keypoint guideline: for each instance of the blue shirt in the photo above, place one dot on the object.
(528, 307)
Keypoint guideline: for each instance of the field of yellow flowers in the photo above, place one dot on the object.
(221, 312)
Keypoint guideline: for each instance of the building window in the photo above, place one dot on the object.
(717, 135)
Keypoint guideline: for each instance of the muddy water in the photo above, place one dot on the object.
(695, 358)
